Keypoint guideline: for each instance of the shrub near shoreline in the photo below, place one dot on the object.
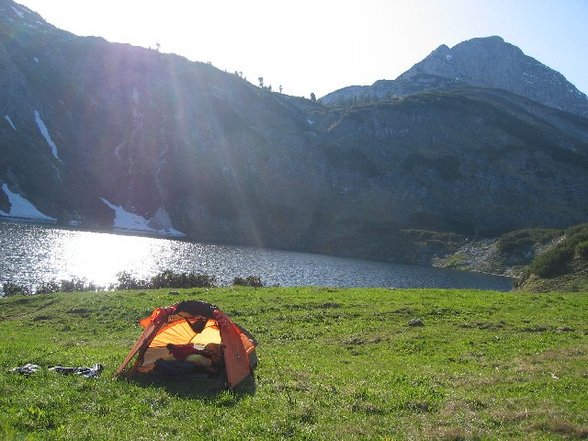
(125, 281)
(557, 260)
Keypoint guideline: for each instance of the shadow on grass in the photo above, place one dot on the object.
(200, 386)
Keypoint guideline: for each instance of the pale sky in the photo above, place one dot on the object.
(322, 45)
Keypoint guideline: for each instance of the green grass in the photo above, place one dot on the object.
(333, 364)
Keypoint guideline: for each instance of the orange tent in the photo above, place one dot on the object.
(196, 337)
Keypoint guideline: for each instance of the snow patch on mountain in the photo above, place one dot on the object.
(43, 129)
(117, 151)
(125, 220)
(18, 12)
(160, 223)
(9, 120)
(20, 208)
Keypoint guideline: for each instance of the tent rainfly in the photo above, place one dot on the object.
(192, 337)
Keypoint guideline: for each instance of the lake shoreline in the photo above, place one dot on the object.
(41, 253)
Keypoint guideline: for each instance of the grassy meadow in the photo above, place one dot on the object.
(333, 364)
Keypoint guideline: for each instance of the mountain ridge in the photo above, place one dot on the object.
(94, 133)
(488, 62)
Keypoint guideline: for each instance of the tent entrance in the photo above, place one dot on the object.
(181, 342)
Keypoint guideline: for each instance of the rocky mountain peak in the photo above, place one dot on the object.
(441, 50)
(475, 61)
(493, 63)
(487, 62)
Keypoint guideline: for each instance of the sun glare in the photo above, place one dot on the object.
(97, 257)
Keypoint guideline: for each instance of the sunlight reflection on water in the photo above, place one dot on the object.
(31, 255)
(99, 257)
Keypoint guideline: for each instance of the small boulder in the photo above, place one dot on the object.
(415, 323)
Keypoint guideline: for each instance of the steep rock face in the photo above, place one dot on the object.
(470, 162)
(482, 62)
(94, 133)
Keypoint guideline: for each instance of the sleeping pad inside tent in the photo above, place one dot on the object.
(192, 337)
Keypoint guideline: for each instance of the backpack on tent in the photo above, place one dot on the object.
(192, 337)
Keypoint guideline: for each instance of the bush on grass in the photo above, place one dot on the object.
(253, 281)
(553, 262)
(169, 279)
(557, 260)
(125, 281)
(582, 250)
(13, 289)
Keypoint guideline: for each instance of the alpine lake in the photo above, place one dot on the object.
(34, 254)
